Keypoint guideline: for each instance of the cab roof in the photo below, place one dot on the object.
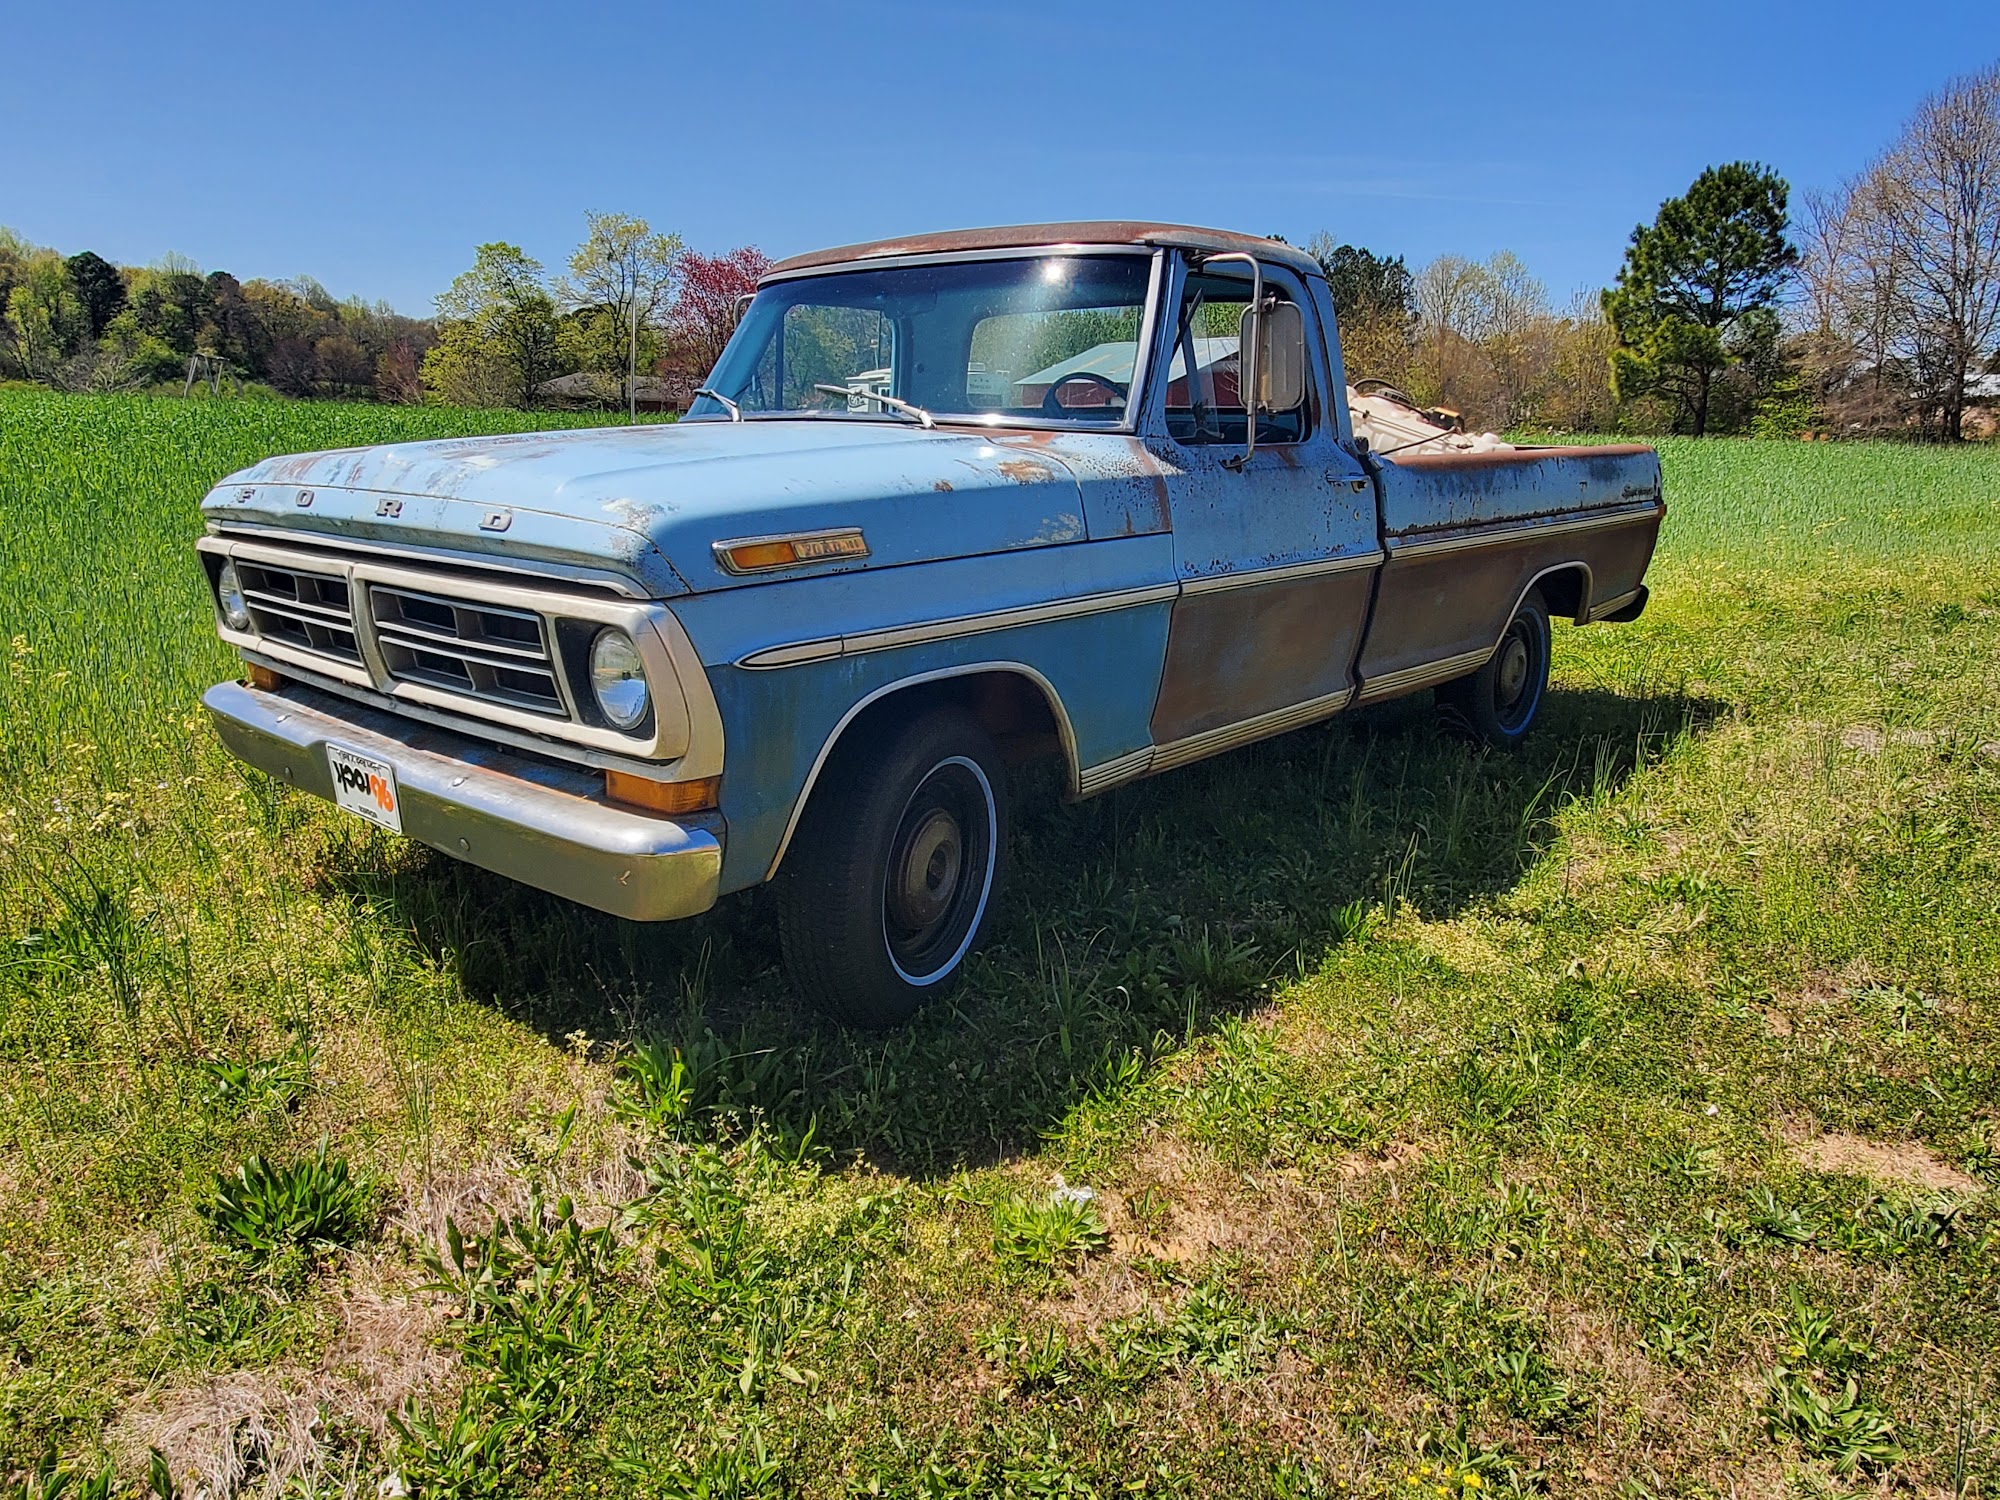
(1075, 232)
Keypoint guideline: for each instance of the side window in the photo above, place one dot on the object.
(1204, 401)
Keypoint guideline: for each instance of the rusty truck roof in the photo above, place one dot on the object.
(1077, 232)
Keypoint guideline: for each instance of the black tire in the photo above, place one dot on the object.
(896, 869)
(1499, 703)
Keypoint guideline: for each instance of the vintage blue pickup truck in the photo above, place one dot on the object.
(1091, 491)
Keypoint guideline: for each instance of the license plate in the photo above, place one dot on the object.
(366, 787)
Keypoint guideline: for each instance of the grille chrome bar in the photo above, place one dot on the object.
(312, 611)
(484, 651)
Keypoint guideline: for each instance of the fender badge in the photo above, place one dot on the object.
(305, 497)
(389, 508)
(496, 520)
(755, 553)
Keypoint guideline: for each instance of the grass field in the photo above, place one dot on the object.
(1356, 1114)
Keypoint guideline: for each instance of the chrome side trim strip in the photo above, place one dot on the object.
(1426, 547)
(1423, 674)
(1250, 579)
(1611, 606)
(1263, 726)
(958, 625)
(1108, 773)
(1064, 732)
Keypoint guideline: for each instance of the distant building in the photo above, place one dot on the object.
(655, 393)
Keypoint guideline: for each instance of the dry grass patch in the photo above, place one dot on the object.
(1900, 1163)
(297, 1429)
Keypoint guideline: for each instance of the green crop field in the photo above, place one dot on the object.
(1356, 1114)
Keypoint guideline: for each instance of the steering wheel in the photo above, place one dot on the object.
(1056, 409)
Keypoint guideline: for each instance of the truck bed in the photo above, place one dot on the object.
(1436, 492)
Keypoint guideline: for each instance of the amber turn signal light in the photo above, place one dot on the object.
(758, 554)
(663, 796)
(262, 678)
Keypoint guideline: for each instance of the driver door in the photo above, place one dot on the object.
(1275, 555)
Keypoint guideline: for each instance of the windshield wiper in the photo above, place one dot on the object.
(735, 411)
(897, 403)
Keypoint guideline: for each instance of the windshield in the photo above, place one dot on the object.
(1043, 338)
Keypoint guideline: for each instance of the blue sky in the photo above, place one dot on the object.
(373, 145)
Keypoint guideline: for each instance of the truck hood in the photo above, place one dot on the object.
(648, 503)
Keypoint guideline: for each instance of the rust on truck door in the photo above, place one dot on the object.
(1238, 653)
(1275, 553)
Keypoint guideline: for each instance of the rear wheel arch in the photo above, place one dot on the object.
(1565, 588)
(1015, 704)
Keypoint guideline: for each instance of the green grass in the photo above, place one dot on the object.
(1616, 1117)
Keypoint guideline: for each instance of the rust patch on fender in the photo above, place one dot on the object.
(942, 486)
(1026, 471)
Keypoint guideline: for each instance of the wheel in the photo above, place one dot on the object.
(896, 869)
(1498, 703)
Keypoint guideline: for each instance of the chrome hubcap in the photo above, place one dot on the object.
(1513, 676)
(926, 871)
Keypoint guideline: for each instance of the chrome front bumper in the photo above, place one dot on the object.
(541, 823)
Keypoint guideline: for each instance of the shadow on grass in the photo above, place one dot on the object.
(1135, 922)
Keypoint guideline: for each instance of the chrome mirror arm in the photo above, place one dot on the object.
(1248, 370)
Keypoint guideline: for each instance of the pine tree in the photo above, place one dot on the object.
(1696, 291)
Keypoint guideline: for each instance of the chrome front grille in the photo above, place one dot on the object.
(313, 611)
(445, 646)
(481, 650)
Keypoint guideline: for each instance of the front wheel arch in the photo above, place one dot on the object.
(1012, 701)
(899, 867)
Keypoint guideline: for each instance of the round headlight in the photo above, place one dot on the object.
(618, 679)
(229, 592)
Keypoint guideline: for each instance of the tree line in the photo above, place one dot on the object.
(635, 316)
(1881, 319)
(1878, 314)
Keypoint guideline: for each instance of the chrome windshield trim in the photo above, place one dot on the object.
(1142, 358)
(948, 257)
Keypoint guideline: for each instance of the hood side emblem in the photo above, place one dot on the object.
(245, 495)
(496, 520)
(389, 508)
(756, 554)
(305, 497)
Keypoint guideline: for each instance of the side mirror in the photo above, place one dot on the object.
(1280, 380)
(1270, 353)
